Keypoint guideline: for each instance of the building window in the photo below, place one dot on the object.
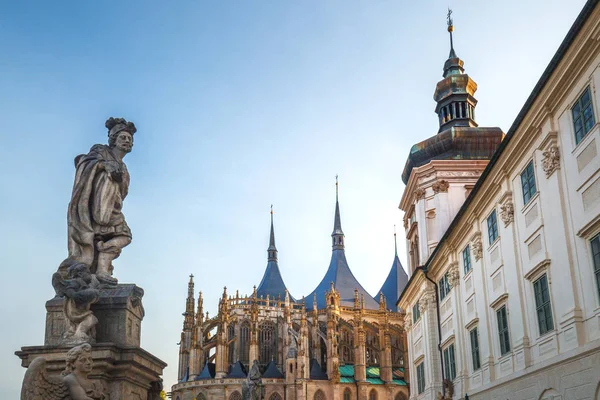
(347, 394)
(319, 395)
(596, 259)
(474, 334)
(542, 304)
(266, 342)
(583, 115)
(373, 394)
(444, 286)
(416, 312)
(528, 183)
(467, 259)
(492, 225)
(420, 378)
(449, 362)
(503, 330)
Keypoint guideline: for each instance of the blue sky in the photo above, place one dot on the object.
(239, 105)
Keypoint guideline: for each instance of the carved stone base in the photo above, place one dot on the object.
(119, 312)
(127, 372)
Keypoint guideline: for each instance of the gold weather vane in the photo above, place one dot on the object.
(450, 22)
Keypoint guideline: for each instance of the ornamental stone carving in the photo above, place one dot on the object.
(407, 321)
(427, 300)
(453, 274)
(551, 160)
(477, 246)
(507, 213)
(419, 194)
(441, 186)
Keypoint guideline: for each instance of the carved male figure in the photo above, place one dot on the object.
(97, 227)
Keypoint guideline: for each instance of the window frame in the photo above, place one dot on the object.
(475, 354)
(543, 311)
(503, 331)
(416, 313)
(492, 223)
(420, 377)
(527, 175)
(449, 356)
(580, 115)
(466, 255)
(596, 262)
(444, 287)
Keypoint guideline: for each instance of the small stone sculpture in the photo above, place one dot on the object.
(72, 385)
(97, 228)
(252, 388)
(80, 292)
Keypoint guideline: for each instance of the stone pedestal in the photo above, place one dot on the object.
(125, 369)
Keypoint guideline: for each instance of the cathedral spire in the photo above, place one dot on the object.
(338, 235)
(188, 322)
(272, 250)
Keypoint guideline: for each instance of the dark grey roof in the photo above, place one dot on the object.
(344, 282)
(272, 371)
(208, 372)
(272, 282)
(237, 370)
(316, 372)
(394, 284)
(339, 273)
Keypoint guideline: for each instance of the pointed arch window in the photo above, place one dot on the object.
(319, 395)
(231, 347)
(266, 342)
(397, 351)
(373, 394)
(347, 394)
(245, 342)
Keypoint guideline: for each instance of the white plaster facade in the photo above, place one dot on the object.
(548, 235)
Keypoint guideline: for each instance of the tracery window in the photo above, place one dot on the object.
(346, 345)
(319, 395)
(347, 394)
(372, 349)
(266, 342)
(235, 396)
(245, 342)
(397, 351)
(231, 348)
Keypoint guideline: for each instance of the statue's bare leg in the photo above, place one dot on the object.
(107, 252)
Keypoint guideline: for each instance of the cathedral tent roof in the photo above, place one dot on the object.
(272, 282)
(316, 372)
(272, 371)
(394, 284)
(339, 273)
(208, 372)
(237, 371)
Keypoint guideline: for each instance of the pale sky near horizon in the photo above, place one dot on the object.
(239, 105)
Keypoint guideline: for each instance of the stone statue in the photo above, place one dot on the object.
(80, 292)
(97, 228)
(72, 385)
(252, 388)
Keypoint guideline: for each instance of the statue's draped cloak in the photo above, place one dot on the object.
(95, 209)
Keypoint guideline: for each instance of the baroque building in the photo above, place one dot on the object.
(503, 236)
(336, 343)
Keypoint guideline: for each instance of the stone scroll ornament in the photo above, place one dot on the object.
(252, 388)
(73, 384)
(97, 231)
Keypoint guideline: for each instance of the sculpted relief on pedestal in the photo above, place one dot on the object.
(72, 385)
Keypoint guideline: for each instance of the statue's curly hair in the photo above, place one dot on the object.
(73, 355)
(123, 125)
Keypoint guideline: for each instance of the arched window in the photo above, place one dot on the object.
(235, 396)
(200, 397)
(266, 342)
(373, 394)
(372, 356)
(319, 395)
(244, 342)
(397, 351)
(346, 347)
(347, 394)
(275, 396)
(231, 357)
(400, 396)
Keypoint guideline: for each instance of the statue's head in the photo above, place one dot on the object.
(79, 270)
(120, 134)
(79, 359)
